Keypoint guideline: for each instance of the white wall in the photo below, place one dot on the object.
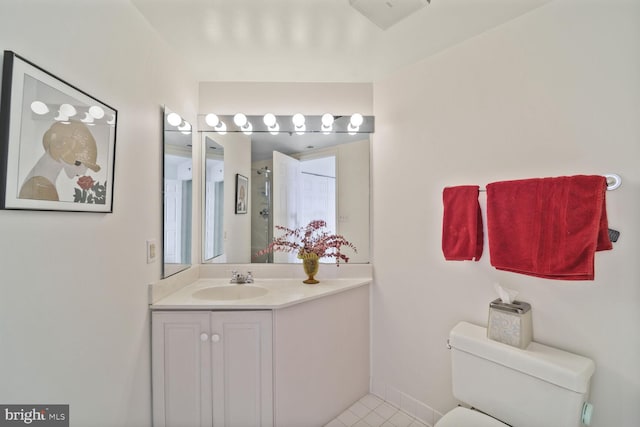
(285, 98)
(554, 92)
(74, 326)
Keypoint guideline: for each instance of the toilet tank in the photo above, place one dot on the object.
(539, 386)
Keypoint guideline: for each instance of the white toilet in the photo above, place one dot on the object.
(540, 386)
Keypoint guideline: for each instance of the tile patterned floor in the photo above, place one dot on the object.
(371, 411)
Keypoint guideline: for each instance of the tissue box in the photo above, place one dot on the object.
(510, 323)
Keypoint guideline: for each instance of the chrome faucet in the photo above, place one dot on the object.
(241, 278)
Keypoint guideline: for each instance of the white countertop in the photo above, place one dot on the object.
(281, 293)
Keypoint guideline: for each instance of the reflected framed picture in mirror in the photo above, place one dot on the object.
(242, 194)
(57, 143)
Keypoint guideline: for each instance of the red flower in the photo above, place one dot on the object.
(85, 182)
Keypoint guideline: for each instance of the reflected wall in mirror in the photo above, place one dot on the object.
(294, 179)
(213, 224)
(177, 194)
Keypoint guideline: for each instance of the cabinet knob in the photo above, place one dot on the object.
(215, 337)
(204, 337)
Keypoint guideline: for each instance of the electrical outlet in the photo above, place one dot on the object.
(152, 251)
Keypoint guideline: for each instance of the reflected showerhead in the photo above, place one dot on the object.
(264, 170)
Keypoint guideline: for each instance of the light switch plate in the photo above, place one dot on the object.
(152, 251)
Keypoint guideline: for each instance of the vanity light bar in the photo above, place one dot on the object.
(327, 123)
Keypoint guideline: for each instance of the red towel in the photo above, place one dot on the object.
(548, 227)
(462, 235)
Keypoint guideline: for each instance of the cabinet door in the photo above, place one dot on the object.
(241, 352)
(181, 369)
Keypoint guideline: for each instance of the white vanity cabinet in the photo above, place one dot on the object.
(212, 368)
(295, 357)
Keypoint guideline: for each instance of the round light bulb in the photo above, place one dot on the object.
(61, 118)
(327, 120)
(212, 120)
(356, 120)
(88, 118)
(269, 119)
(240, 120)
(174, 119)
(298, 120)
(221, 128)
(185, 127)
(67, 110)
(247, 129)
(96, 112)
(275, 129)
(39, 107)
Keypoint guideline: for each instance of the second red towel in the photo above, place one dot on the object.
(548, 227)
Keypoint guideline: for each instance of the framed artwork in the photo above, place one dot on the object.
(242, 194)
(57, 143)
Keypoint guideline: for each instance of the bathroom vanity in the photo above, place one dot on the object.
(237, 355)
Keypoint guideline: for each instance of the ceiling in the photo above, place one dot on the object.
(314, 40)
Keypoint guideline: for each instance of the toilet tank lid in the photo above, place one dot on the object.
(550, 364)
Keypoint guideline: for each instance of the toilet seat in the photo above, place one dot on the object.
(463, 417)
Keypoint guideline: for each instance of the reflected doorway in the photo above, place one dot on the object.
(291, 193)
(177, 211)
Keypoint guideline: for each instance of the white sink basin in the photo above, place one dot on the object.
(233, 292)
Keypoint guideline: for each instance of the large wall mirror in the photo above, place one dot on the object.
(177, 194)
(293, 178)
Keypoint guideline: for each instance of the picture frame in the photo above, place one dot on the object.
(242, 194)
(57, 143)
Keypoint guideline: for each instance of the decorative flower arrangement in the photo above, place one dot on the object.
(312, 239)
(90, 191)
